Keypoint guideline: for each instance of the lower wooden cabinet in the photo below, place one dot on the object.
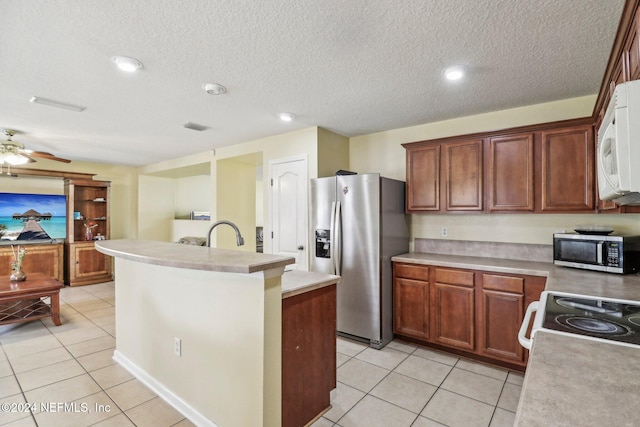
(453, 308)
(411, 300)
(86, 265)
(308, 355)
(502, 309)
(45, 259)
(474, 312)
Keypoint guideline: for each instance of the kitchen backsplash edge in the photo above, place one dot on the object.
(516, 251)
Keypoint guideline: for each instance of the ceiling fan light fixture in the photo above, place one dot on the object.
(125, 63)
(57, 104)
(10, 153)
(13, 159)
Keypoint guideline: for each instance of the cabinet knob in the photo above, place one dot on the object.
(300, 247)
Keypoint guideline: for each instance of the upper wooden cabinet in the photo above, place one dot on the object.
(542, 168)
(445, 177)
(462, 180)
(510, 173)
(631, 51)
(423, 169)
(567, 173)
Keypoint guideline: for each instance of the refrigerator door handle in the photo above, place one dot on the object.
(337, 243)
(332, 227)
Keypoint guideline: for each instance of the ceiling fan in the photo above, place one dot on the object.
(13, 153)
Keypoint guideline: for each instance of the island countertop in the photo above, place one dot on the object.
(569, 381)
(296, 282)
(192, 257)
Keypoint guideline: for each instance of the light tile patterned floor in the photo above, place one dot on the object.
(72, 365)
(69, 371)
(407, 385)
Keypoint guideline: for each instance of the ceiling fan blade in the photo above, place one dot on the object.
(48, 156)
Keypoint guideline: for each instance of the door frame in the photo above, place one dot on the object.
(301, 157)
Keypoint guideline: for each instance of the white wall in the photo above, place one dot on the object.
(156, 207)
(382, 152)
(192, 194)
(236, 202)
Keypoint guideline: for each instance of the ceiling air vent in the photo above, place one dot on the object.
(195, 126)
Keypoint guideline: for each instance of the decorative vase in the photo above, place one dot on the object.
(18, 276)
(88, 234)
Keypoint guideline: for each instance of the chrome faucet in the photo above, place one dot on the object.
(239, 239)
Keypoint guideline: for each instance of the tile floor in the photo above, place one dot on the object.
(407, 385)
(68, 374)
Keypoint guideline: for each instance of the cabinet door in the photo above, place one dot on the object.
(308, 347)
(568, 170)
(510, 174)
(423, 179)
(632, 51)
(45, 259)
(619, 74)
(501, 316)
(462, 169)
(87, 265)
(452, 308)
(411, 307)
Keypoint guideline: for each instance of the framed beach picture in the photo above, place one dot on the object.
(32, 216)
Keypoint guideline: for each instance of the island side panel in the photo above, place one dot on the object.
(230, 349)
(308, 355)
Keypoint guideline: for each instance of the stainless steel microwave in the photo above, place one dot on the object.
(608, 253)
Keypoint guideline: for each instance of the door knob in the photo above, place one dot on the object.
(300, 248)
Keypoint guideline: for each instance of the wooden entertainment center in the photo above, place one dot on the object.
(76, 262)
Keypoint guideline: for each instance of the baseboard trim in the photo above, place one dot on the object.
(161, 390)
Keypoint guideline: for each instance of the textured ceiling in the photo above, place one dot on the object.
(353, 67)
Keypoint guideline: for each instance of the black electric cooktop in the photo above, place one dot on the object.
(593, 317)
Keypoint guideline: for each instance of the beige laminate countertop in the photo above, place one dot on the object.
(294, 282)
(191, 257)
(560, 279)
(569, 381)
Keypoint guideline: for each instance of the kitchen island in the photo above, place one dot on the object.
(203, 327)
(569, 381)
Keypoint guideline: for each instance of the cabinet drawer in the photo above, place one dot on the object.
(503, 283)
(411, 271)
(454, 277)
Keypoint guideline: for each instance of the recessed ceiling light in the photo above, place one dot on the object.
(286, 117)
(127, 64)
(214, 88)
(455, 73)
(57, 104)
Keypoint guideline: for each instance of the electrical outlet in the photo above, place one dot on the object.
(444, 232)
(177, 346)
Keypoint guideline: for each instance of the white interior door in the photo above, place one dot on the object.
(289, 210)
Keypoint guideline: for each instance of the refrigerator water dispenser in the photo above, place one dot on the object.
(323, 243)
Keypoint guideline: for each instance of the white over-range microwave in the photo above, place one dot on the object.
(619, 146)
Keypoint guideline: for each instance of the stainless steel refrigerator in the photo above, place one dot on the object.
(358, 223)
